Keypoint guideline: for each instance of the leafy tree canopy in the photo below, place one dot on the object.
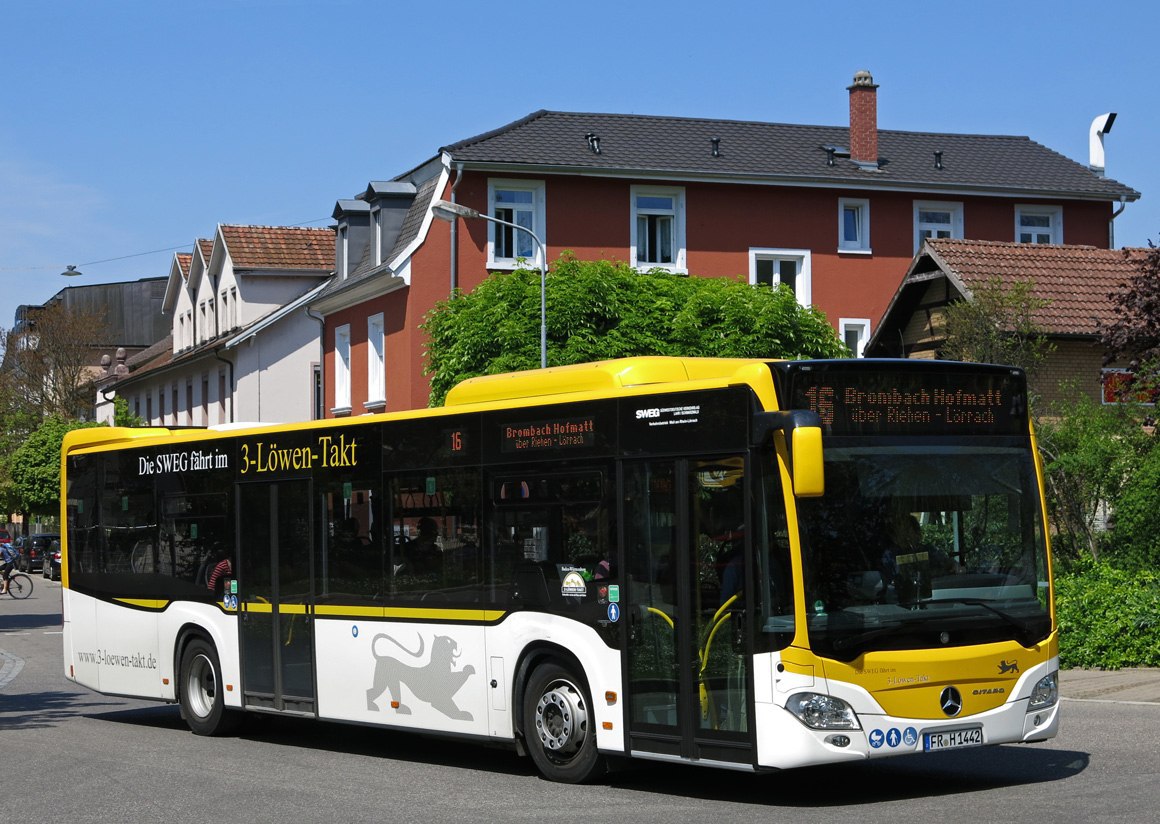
(597, 310)
(122, 416)
(1091, 452)
(997, 325)
(1135, 333)
(35, 466)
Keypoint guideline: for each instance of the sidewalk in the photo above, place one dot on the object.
(1111, 685)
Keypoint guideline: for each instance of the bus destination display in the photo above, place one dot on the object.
(913, 402)
(555, 434)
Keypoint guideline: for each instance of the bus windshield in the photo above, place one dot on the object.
(924, 546)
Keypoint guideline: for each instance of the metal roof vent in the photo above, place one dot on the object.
(716, 142)
(1100, 127)
(593, 142)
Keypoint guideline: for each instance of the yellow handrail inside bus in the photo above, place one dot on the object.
(668, 620)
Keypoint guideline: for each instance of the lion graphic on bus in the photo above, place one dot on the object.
(434, 682)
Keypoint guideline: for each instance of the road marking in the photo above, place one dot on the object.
(10, 667)
(1107, 701)
(54, 632)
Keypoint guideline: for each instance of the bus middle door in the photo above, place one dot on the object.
(275, 602)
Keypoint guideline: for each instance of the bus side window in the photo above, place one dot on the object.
(435, 554)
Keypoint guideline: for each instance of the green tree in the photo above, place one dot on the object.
(1090, 453)
(997, 325)
(122, 416)
(1136, 517)
(35, 466)
(603, 309)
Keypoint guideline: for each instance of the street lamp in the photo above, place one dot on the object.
(446, 210)
(70, 272)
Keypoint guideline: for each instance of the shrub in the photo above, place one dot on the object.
(1108, 618)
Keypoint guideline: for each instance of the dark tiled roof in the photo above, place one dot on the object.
(413, 222)
(783, 152)
(1075, 279)
(279, 247)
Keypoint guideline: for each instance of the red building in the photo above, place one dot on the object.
(836, 213)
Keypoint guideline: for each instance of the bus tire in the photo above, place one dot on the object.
(559, 726)
(202, 693)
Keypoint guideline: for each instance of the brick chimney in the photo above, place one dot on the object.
(864, 120)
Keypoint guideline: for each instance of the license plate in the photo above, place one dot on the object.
(952, 739)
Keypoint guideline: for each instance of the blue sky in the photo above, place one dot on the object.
(128, 127)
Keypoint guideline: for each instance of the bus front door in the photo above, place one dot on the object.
(274, 596)
(687, 664)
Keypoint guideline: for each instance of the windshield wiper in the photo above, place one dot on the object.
(1027, 634)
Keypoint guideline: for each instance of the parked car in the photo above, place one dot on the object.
(5, 536)
(51, 565)
(33, 549)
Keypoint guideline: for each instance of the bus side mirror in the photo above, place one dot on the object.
(809, 479)
(803, 438)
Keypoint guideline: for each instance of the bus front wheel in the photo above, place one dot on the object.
(559, 726)
(202, 694)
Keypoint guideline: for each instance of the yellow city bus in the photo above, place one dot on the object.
(740, 563)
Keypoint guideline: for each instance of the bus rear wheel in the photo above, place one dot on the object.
(559, 727)
(202, 693)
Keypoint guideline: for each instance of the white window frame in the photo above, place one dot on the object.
(376, 363)
(343, 251)
(1053, 213)
(677, 193)
(859, 325)
(956, 212)
(341, 370)
(803, 288)
(539, 222)
(377, 235)
(861, 244)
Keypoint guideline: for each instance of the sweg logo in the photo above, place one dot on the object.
(647, 413)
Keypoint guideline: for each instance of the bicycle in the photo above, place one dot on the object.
(19, 585)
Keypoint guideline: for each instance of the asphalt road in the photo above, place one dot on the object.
(69, 755)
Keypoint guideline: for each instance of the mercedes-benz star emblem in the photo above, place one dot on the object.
(951, 701)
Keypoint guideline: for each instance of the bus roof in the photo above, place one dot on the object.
(610, 376)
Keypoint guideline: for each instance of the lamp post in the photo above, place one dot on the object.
(446, 210)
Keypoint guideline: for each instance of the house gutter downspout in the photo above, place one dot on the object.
(217, 353)
(321, 357)
(455, 233)
(1112, 223)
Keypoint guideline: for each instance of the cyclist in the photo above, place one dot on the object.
(8, 556)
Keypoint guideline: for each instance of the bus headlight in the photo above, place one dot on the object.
(822, 712)
(1046, 692)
